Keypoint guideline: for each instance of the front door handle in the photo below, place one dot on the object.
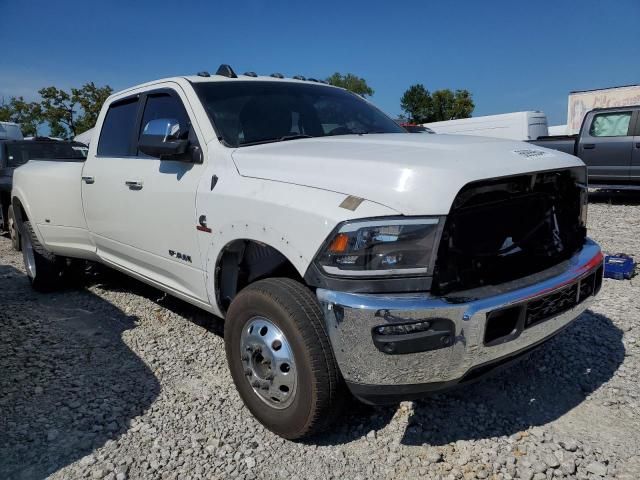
(589, 146)
(133, 184)
(638, 145)
(88, 180)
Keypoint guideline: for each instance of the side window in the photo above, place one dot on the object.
(117, 129)
(170, 111)
(614, 124)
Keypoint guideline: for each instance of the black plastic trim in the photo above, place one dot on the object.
(441, 334)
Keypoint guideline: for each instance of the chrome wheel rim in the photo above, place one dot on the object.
(269, 366)
(28, 256)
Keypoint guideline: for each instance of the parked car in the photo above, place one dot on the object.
(608, 143)
(14, 153)
(341, 250)
(513, 126)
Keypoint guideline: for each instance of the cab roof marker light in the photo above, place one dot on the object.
(225, 70)
(299, 77)
(277, 75)
(250, 74)
(204, 73)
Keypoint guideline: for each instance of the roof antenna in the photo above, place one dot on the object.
(226, 71)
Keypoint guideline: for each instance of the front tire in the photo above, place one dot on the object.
(281, 360)
(13, 229)
(44, 269)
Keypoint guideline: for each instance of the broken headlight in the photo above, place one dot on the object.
(382, 247)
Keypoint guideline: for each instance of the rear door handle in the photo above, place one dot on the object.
(589, 146)
(88, 180)
(133, 184)
(638, 145)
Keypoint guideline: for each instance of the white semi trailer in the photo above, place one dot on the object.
(513, 126)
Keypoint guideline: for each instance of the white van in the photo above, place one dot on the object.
(10, 131)
(514, 126)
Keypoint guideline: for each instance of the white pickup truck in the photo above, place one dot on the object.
(343, 253)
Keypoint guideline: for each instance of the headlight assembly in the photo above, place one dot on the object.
(382, 247)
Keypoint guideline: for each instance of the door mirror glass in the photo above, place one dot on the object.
(164, 138)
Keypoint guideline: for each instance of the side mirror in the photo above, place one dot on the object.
(163, 138)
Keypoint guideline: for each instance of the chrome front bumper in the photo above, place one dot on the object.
(351, 319)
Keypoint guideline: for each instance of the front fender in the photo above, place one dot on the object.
(293, 219)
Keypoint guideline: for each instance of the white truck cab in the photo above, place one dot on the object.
(342, 251)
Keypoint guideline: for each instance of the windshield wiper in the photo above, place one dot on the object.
(273, 140)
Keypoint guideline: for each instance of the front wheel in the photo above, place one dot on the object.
(280, 358)
(44, 269)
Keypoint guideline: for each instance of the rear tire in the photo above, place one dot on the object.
(13, 229)
(291, 341)
(44, 269)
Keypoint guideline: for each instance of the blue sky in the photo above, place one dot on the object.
(512, 55)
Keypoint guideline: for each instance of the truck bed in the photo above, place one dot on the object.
(563, 143)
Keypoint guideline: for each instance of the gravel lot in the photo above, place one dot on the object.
(115, 380)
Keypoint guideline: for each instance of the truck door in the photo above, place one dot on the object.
(605, 145)
(634, 174)
(140, 209)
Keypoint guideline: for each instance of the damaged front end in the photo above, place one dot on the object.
(503, 229)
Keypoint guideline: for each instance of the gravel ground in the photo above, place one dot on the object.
(115, 380)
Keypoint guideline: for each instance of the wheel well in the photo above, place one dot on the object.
(243, 262)
(18, 211)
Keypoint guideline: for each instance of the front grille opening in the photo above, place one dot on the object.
(551, 305)
(502, 325)
(587, 287)
(503, 229)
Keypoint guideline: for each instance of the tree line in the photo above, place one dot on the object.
(417, 103)
(66, 113)
(69, 113)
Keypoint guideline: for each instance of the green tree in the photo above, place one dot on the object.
(27, 114)
(90, 98)
(58, 111)
(352, 83)
(424, 107)
(69, 114)
(449, 105)
(416, 103)
(5, 112)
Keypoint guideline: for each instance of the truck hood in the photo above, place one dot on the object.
(414, 174)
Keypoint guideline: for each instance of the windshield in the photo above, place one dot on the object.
(19, 153)
(250, 113)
